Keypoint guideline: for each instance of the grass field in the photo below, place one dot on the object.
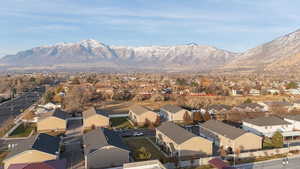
(22, 131)
(137, 143)
(120, 122)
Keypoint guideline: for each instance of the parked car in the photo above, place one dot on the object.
(135, 134)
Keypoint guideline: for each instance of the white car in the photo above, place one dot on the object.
(137, 134)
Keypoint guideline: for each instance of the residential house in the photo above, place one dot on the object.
(174, 113)
(51, 164)
(38, 148)
(141, 114)
(294, 120)
(254, 92)
(149, 164)
(176, 141)
(93, 118)
(293, 91)
(267, 126)
(229, 137)
(269, 106)
(55, 121)
(104, 148)
(218, 111)
(273, 91)
(249, 107)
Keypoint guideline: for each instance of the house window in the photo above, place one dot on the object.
(266, 127)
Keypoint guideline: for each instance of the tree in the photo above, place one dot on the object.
(157, 121)
(206, 116)
(248, 100)
(222, 152)
(292, 85)
(197, 117)
(48, 96)
(143, 154)
(267, 143)
(277, 140)
(187, 118)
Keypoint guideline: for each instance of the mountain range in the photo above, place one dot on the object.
(281, 54)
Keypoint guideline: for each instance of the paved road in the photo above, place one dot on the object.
(294, 163)
(129, 132)
(13, 108)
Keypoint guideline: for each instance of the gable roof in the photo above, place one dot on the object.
(137, 109)
(223, 129)
(171, 108)
(58, 113)
(251, 105)
(42, 142)
(175, 132)
(92, 111)
(52, 164)
(98, 138)
(293, 117)
(219, 107)
(267, 121)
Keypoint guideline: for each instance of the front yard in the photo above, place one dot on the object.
(23, 130)
(143, 149)
(120, 123)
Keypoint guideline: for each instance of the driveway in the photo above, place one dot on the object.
(72, 144)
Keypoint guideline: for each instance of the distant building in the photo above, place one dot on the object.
(104, 148)
(176, 141)
(93, 118)
(38, 148)
(218, 111)
(254, 92)
(293, 91)
(249, 107)
(140, 114)
(174, 113)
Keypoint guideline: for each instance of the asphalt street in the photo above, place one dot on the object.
(293, 163)
(14, 107)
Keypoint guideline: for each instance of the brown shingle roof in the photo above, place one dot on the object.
(223, 129)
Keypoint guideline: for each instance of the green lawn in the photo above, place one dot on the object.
(22, 130)
(120, 122)
(135, 144)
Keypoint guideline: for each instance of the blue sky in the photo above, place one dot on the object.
(235, 25)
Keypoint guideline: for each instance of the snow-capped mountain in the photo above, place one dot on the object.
(281, 54)
(91, 51)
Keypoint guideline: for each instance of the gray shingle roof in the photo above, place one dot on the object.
(251, 105)
(294, 117)
(171, 108)
(267, 121)
(175, 132)
(137, 109)
(219, 107)
(223, 129)
(42, 142)
(99, 138)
